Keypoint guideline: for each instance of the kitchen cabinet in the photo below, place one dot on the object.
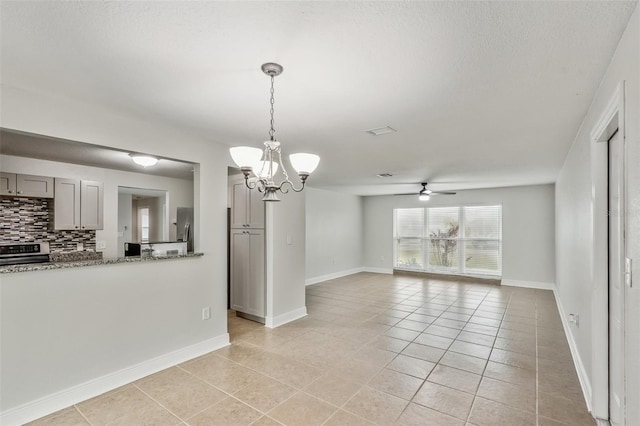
(247, 207)
(26, 185)
(78, 204)
(247, 273)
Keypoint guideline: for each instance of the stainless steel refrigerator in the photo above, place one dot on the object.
(184, 224)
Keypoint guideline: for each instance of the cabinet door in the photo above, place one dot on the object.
(238, 194)
(91, 205)
(66, 204)
(7, 183)
(255, 284)
(34, 186)
(239, 270)
(255, 209)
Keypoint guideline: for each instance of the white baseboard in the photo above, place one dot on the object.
(378, 270)
(273, 322)
(51, 403)
(529, 284)
(585, 384)
(332, 276)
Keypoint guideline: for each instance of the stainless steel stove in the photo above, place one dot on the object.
(22, 253)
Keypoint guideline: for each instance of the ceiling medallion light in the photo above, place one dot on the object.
(264, 164)
(144, 160)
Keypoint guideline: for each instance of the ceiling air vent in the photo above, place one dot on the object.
(381, 131)
(384, 175)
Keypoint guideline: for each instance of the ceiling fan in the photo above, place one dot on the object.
(425, 193)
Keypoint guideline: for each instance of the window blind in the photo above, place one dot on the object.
(459, 239)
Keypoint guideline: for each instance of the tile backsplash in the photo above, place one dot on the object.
(24, 220)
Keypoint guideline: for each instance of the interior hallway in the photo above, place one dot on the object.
(374, 348)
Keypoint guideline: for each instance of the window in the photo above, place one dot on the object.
(144, 224)
(453, 240)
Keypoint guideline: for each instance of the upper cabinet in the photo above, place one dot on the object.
(78, 204)
(247, 207)
(26, 185)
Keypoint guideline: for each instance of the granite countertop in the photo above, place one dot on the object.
(82, 263)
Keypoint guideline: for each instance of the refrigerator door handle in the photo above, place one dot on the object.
(185, 236)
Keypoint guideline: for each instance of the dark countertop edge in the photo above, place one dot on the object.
(82, 263)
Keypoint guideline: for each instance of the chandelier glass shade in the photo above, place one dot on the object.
(260, 166)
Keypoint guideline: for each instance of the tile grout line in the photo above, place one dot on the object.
(82, 414)
(486, 363)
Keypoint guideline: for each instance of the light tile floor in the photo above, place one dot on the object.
(374, 349)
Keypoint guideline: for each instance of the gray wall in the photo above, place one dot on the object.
(125, 219)
(574, 202)
(285, 244)
(334, 233)
(528, 252)
(82, 325)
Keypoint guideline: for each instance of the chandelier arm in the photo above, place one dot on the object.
(284, 170)
(249, 185)
(288, 182)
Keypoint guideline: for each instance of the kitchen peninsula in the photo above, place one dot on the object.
(82, 263)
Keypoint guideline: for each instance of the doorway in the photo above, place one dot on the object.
(608, 173)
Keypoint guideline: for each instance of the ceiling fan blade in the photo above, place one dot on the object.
(409, 193)
(442, 193)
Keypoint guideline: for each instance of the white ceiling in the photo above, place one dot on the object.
(482, 93)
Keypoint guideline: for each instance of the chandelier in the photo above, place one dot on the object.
(264, 164)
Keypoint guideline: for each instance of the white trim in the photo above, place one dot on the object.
(51, 403)
(378, 270)
(529, 284)
(333, 275)
(583, 377)
(612, 118)
(273, 322)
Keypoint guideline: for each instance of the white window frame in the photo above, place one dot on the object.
(462, 240)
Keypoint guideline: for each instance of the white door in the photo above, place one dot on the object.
(616, 283)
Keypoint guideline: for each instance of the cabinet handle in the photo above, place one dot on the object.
(10, 192)
(76, 227)
(19, 192)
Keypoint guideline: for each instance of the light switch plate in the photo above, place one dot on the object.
(627, 271)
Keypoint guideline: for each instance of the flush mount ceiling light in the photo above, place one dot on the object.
(264, 164)
(381, 131)
(144, 160)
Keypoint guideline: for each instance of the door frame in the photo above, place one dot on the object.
(612, 119)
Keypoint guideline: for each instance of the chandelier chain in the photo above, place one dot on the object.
(272, 131)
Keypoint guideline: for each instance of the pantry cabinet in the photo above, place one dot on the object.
(247, 207)
(247, 272)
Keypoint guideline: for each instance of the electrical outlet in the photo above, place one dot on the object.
(101, 245)
(381, 259)
(79, 247)
(206, 313)
(574, 319)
